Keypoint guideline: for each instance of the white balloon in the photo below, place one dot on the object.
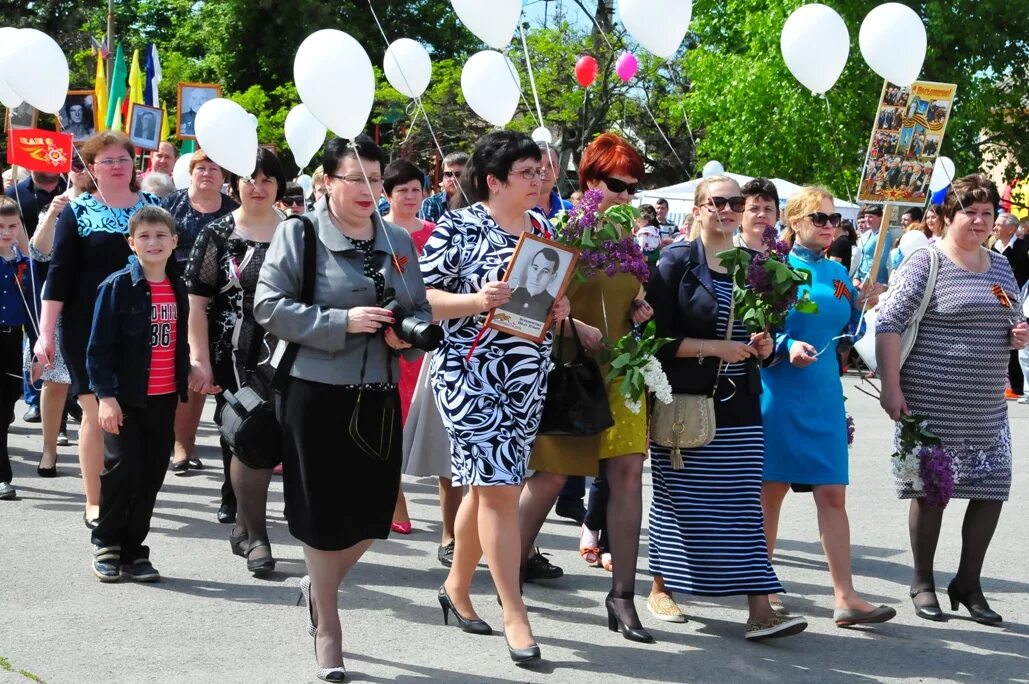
(815, 45)
(657, 25)
(491, 86)
(493, 21)
(306, 182)
(36, 70)
(912, 240)
(8, 97)
(335, 80)
(407, 67)
(713, 168)
(893, 41)
(543, 136)
(304, 133)
(228, 135)
(943, 174)
(180, 172)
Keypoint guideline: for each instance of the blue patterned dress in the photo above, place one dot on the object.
(489, 385)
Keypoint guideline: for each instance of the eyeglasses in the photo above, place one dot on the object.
(117, 161)
(293, 201)
(619, 186)
(529, 174)
(819, 219)
(736, 204)
(452, 174)
(355, 179)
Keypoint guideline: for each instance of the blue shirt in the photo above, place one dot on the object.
(434, 207)
(13, 273)
(557, 205)
(866, 248)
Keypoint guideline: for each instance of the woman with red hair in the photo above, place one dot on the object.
(605, 308)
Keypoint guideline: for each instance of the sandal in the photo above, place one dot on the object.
(589, 547)
(605, 562)
(263, 566)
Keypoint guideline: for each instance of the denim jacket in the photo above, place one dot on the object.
(118, 355)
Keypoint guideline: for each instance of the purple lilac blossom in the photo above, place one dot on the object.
(937, 475)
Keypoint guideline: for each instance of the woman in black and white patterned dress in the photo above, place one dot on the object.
(955, 376)
(489, 385)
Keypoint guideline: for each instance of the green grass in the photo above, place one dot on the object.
(5, 664)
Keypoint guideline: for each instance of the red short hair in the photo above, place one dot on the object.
(609, 154)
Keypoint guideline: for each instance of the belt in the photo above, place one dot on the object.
(10, 329)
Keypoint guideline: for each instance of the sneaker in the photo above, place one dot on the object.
(1008, 394)
(1023, 400)
(538, 567)
(663, 607)
(772, 628)
(107, 563)
(446, 554)
(778, 608)
(141, 570)
(32, 415)
(7, 491)
(62, 439)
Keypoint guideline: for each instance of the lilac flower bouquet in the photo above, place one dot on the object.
(922, 462)
(604, 239)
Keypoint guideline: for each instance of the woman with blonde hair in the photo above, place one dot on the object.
(806, 449)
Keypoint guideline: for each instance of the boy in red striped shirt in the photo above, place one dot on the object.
(138, 364)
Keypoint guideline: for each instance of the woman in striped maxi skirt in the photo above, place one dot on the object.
(706, 526)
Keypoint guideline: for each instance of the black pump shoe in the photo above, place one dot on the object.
(615, 622)
(928, 612)
(977, 606)
(524, 656)
(470, 626)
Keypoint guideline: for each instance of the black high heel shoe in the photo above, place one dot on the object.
(470, 626)
(931, 611)
(976, 603)
(46, 472)
(615, 622)
(524, 656)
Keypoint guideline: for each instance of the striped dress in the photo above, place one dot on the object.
(956, 371)
(707, 532)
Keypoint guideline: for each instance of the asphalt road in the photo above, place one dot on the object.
(210, 621)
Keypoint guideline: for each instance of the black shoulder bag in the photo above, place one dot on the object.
(576, 402)
(248, 422)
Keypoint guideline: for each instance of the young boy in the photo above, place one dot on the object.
(138, 365)
(13, 316)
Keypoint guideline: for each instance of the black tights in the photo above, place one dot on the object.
(977, 530)
(624, 478)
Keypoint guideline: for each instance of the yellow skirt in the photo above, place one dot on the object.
(582, 455)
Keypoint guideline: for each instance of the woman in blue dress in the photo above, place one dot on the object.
(805, 448)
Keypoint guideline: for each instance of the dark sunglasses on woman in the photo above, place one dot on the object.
(819, 219)
(618, 186)
(735, 203)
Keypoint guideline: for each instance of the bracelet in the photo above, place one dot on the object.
(700, 354)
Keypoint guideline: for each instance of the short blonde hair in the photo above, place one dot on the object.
(804, 202)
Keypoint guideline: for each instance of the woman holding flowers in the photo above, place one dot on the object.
(706, 532)
(954, 377)
(806, 448)
(605, 308)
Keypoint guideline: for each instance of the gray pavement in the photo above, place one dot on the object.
(210, 621)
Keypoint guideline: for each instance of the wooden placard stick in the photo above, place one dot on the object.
(880, 244)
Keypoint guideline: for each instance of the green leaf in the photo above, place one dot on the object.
(621, 361)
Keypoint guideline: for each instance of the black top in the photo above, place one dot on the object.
(841, 249)
(33, 200)
(190, 221)
(1017, 254)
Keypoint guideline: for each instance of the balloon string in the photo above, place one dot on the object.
(532, 78)
(32, 271)
(663, 136)
(838, 143)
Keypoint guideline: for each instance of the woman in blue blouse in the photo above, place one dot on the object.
(805, 448)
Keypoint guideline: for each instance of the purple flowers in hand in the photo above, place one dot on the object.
(604, 240)
(937, 475)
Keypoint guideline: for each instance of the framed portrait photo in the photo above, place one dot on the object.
(145, 126)
(78, 115)
(192, 97)
(539, 273)
(22, 116)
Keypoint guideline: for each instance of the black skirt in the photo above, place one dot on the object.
(340, 463)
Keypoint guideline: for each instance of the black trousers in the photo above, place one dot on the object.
(135, 462)
(1015, 375)
(10, 389)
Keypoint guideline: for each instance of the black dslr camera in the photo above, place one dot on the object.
(418, 334)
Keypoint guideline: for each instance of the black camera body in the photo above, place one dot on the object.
(417, 333)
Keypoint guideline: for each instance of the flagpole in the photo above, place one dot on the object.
(110, 37)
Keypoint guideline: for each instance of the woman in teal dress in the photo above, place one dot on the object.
(803, 447)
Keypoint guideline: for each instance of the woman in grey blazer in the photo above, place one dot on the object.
(340, 411)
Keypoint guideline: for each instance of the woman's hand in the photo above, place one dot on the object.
(44, 350)
(592, 339)
(802, 354)
(110, 417)
(494, 294)
(641, 311)
(868, 295)
(731, 351)
(393, 341)
(762, 344)
(893, 402)
(201, 378)
(562, 308)
(57, 205)
(1019, 336)
(368, 319)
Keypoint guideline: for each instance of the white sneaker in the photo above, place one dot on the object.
(1023, 400)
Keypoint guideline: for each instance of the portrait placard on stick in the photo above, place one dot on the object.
(906, 139)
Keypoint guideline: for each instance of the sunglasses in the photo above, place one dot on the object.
(293, 201)
(735, 203)
(819, 219)
(619, 186)
(451, 174)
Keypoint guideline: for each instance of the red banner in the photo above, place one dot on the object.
(39, 150)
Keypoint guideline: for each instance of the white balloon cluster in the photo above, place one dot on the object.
(33, 69)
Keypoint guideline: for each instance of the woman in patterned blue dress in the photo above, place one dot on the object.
(955, 376)
(91, 243)
(489, 385)
(804, 446)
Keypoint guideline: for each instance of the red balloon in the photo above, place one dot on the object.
(586, 71)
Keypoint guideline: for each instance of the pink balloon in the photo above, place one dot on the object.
(627, 66)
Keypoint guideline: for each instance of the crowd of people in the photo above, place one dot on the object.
(357, 315)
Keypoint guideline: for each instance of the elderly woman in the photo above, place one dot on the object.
(805, 448)
(973, 313)
(489, 385)
(339, 410)
(706, 533)
(228, 346)
(89, 245)
(193, 208)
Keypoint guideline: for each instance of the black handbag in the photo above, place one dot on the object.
(247, 422)
(576, 403)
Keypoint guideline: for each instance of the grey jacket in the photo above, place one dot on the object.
(329, 354)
